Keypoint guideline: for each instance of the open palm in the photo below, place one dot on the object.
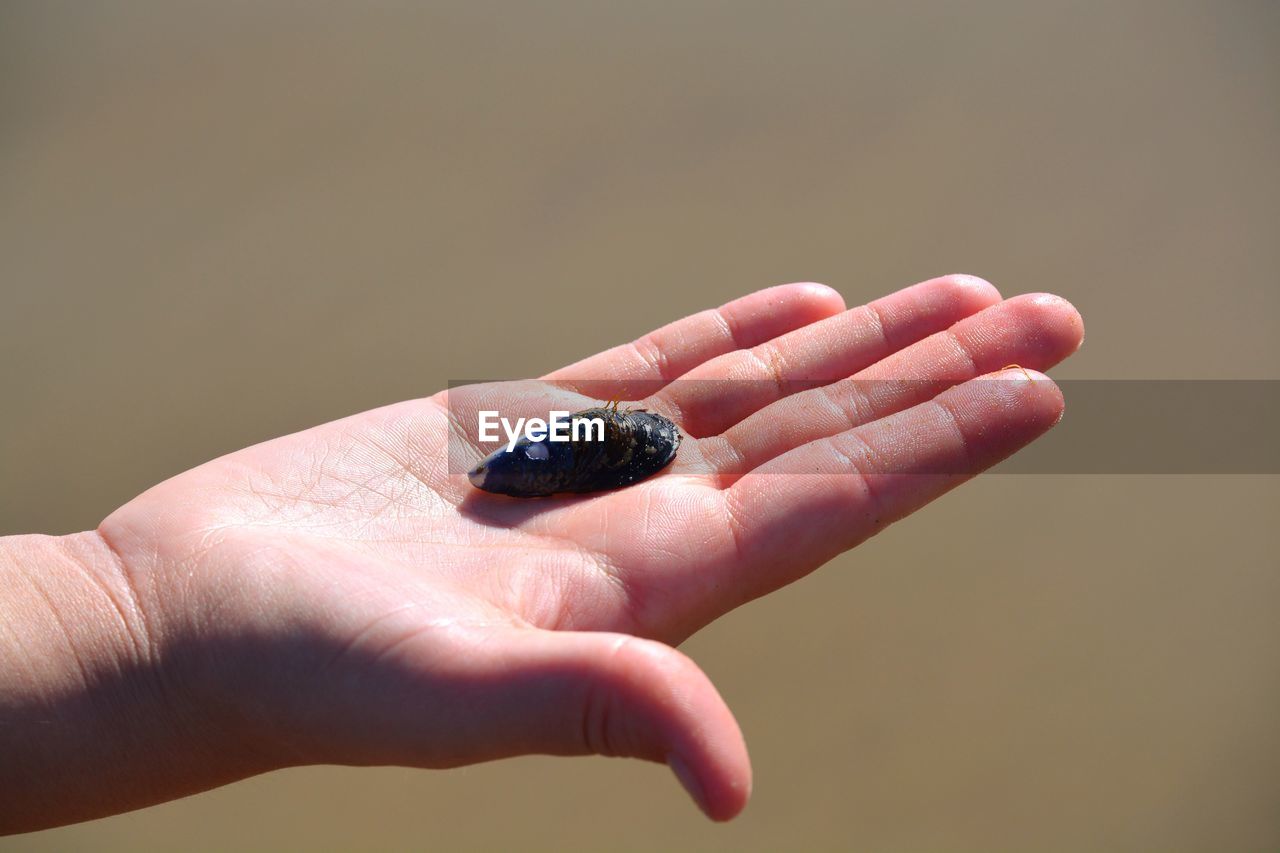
(344, 595)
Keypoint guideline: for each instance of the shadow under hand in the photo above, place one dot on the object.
(503, 511)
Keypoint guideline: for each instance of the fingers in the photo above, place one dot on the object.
(801, 509)
(506, 691)
(1036, 331)
(635, 370)
(721, 392)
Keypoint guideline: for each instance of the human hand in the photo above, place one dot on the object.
(344, 595)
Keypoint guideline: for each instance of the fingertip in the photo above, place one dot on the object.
(1041, 328)
(732, 800)
(816, 293)
(1060, 321)
(709, 754)
(1031, 392)
(668, 710)
(705, 747)
(728, 786)
(960, 295)
(721, 799)
(979, 291)
(913, 313)
(774, 311)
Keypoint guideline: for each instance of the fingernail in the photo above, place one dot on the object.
(687, 779)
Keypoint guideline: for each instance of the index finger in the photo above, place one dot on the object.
(635, 370)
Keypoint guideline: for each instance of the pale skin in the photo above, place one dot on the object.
(344, 596)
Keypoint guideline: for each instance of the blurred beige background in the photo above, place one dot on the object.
(220, 222)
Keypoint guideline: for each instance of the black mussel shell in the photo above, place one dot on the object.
(636, 445)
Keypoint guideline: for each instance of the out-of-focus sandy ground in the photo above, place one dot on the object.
(220, 222)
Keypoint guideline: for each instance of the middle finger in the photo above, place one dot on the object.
(1036, 331)
(721, 392)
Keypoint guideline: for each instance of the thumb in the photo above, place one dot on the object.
(575, 693)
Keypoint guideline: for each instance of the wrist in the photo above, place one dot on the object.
(98, 716)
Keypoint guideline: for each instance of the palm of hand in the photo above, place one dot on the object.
(369, 606)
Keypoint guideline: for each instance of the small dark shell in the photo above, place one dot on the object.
(636, 445)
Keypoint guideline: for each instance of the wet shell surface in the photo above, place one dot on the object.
(636, 445)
